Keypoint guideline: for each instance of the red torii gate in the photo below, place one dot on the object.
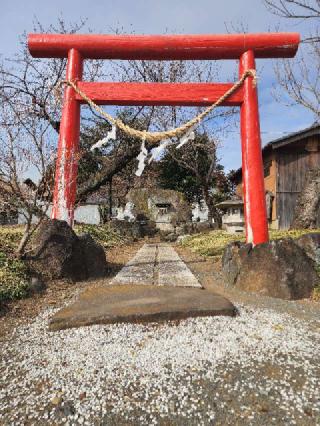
(244, 47)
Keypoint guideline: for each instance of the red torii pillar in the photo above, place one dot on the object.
(243, 47)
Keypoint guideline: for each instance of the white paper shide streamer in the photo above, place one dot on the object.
(142, 158)
(188, 136)
(156, 152)
(104, 141)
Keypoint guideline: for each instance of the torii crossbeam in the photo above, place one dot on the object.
(243, 47)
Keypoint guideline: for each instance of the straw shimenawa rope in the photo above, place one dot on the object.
(154, 137)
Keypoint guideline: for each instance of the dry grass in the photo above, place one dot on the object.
(213, 243)
(106, 235)
(316, 294)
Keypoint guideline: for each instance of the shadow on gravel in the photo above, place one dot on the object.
(113, 268)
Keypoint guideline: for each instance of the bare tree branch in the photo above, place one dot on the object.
(300, 77)
(294, 9)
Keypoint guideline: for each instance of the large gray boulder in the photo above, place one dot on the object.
(60, 253)
(278, 269)
(233, 257)
(93, 255)
(310, 243)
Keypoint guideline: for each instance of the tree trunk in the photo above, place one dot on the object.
(213, 212)
(216, 216)
(29, 230)
(24, 240)
(308, 203)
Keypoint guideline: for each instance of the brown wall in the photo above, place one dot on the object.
(286, 179)
(270, 181)
(293, 163)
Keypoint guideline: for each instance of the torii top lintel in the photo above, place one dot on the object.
(164, 47)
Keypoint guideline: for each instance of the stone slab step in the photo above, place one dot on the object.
(139, 303)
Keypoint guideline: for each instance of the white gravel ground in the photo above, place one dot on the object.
(260, 368)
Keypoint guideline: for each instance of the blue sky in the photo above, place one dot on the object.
(183, 16)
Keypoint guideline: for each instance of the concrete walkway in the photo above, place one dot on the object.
(157, 264)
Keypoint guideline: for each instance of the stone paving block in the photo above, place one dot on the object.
(139, 303)
(172, 270)
(140, 269)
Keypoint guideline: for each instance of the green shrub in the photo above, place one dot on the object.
(13, 278)
(10, 237)
(13, 272)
